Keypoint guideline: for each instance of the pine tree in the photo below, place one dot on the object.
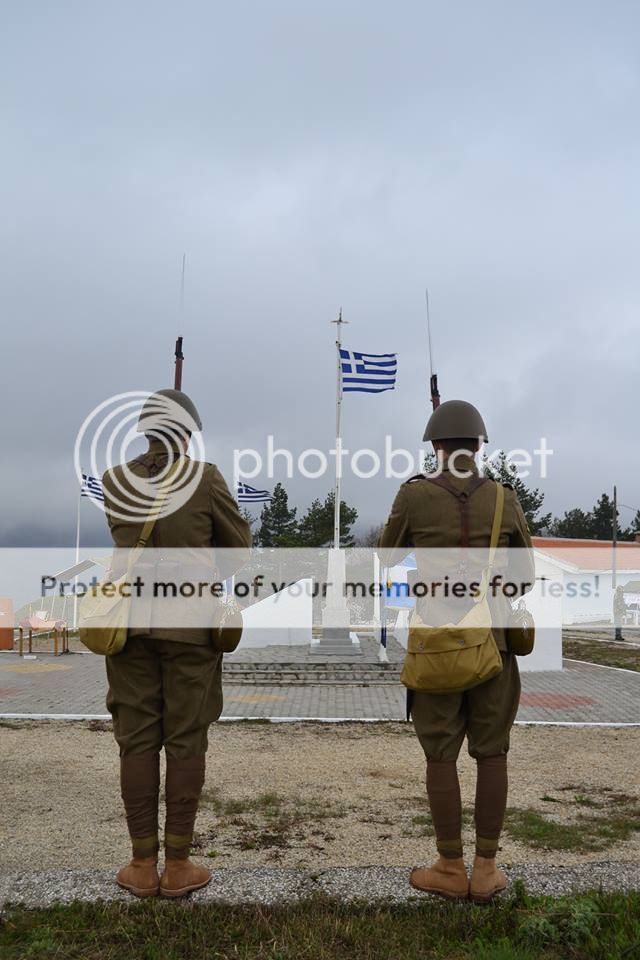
(574, 524)
(251, 520)
(278, 524)
(370, 537)
(530, 500)
(596, 524)
(316, 526)
(430, 463)
(602, 519)
(633, 528)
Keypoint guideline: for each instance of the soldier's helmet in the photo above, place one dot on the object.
(453, 420)
(168, 411)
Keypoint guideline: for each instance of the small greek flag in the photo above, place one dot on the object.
(247, 494)
(91, 487)
(368, 372)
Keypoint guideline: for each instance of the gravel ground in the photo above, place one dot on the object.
(272, 886)
(299, 801)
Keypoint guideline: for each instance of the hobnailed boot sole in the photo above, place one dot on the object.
(183, 891)
(447, 894)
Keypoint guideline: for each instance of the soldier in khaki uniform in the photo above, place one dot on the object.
(438, 514)
(165, 687)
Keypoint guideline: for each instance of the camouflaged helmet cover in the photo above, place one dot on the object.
(453, 420)
(166, 410)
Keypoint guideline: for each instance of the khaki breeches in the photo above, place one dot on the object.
(484, 714)
(163, 693)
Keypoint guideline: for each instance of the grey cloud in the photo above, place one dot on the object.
(306, 158)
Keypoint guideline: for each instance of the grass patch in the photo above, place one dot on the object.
(606, 654)
(422, 824)
(540, 833)
(587, 834)
(594, 926)
(272, 806)
(266, 821)
(232, 806)
(593, 819)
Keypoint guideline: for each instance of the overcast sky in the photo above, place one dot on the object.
(306, 157)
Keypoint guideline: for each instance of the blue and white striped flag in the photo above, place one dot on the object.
(247, 494)
(368, 372)
(91, 487)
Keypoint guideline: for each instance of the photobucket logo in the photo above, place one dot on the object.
(104, 442)
(393, 462)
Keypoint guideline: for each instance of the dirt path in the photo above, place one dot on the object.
(316, 795)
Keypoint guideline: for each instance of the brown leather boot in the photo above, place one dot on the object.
(181, 877)
(486, 880)
(140, 876)
(447, 878)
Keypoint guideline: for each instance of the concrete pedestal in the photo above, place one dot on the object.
(336, 619)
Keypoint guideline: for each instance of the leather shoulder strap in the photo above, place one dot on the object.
(462, 496)
(497, 522)
(493, 544)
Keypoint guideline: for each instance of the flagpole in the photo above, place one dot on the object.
(75, 581)
(336, 505)
(335, 613)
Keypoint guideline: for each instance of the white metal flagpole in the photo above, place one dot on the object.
(336, 507)
(335, 614)
(75, 581)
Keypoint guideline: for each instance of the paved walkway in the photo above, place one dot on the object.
(74, 684)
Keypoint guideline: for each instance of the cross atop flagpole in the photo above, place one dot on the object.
(336, 507)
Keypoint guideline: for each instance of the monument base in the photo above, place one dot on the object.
(337, 642)
(336, 638)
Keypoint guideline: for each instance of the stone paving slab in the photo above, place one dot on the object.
(268, 886)
(75, 684)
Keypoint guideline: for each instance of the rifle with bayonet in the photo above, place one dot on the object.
(433, 380)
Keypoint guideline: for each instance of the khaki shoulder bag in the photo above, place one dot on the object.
(104, 609)
(457, 656)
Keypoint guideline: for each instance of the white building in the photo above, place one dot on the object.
(586, 572)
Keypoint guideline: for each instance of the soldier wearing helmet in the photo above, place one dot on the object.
(455, 508)
(168, 411)
(165, 686)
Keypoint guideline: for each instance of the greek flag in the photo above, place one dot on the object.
(91, 487)
(247, 494)
(368, 372)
